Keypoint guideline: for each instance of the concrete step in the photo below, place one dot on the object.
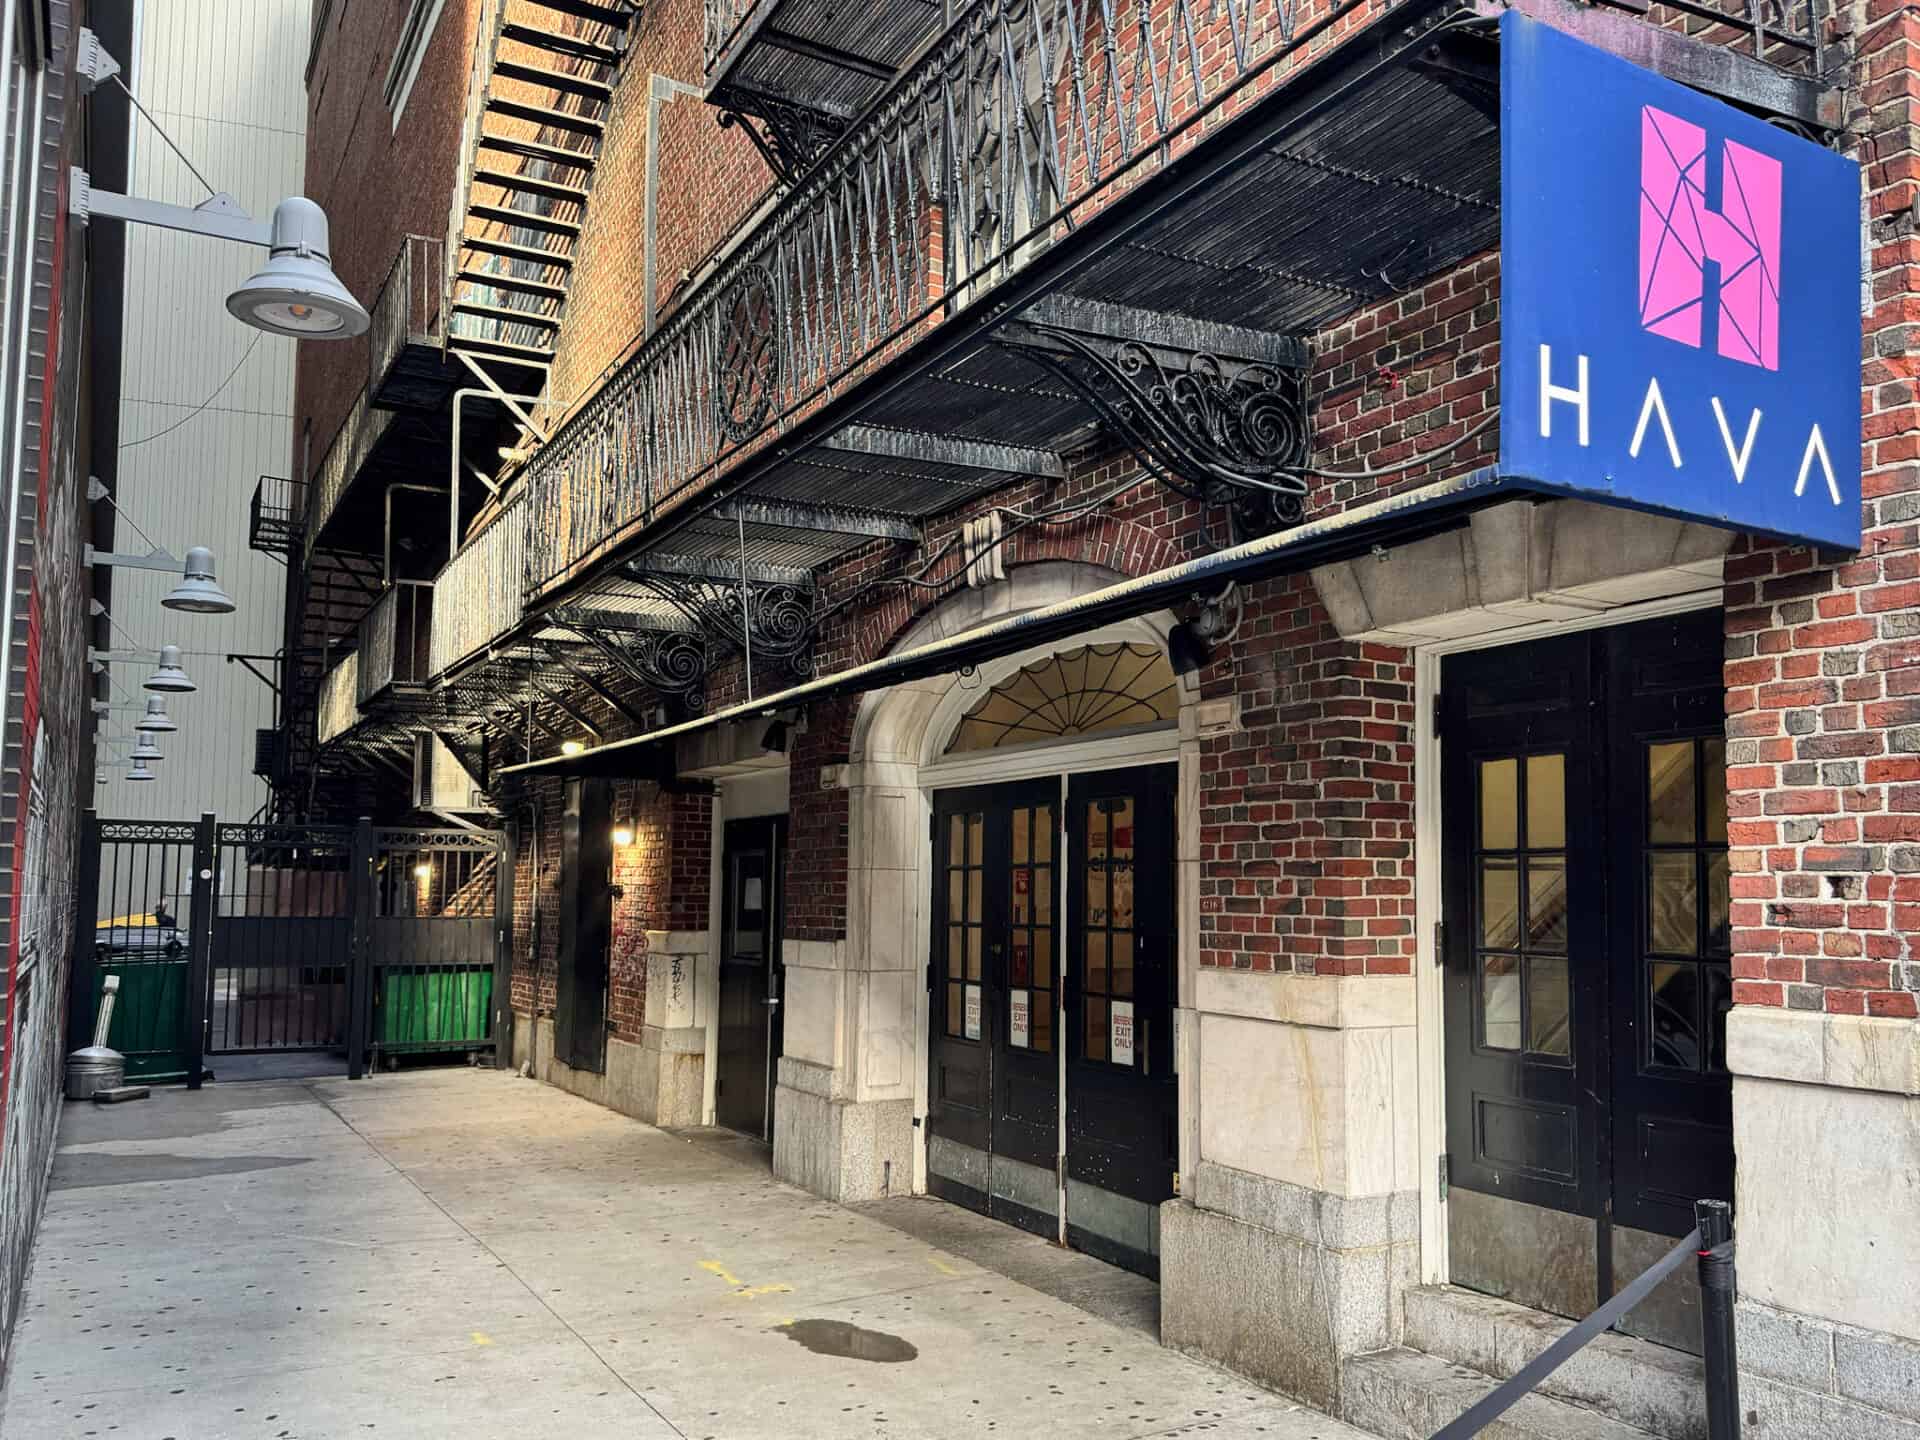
(1648, 1386)
(1407, 1395)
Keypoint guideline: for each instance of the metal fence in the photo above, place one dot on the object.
(251, 939)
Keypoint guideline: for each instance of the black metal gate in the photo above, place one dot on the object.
(433, 906)
(263, 939)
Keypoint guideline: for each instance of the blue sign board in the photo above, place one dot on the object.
(1680, 298)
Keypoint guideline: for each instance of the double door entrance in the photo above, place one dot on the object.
(1587, 961)
(1052, 1099)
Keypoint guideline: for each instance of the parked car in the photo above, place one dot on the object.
(140, 937)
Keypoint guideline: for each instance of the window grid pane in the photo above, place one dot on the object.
(1520, 927)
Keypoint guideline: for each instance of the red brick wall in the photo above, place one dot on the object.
(1823, 655)
(663, 876)
(378, 184)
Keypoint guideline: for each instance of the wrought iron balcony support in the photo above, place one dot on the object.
(770, 615)
(672, 663)
(1215, 412)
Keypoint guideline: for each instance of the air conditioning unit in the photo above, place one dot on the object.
(440, 781)
(267, 753)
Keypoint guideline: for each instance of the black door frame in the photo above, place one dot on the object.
(586, 926)
(1624, 686)
(738, 837)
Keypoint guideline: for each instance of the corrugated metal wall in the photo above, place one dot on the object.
(223, 77)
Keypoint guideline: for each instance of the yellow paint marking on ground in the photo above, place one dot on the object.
(740, 1287)
(480, 1339)
(942, 1266)
(785, 1324)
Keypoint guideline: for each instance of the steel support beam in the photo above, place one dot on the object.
(926, 449)
(717, 569)
(1161, 330)
(823, 519)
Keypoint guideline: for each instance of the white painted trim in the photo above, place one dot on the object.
(1430, 993)
(716, 901)
(1109, 752)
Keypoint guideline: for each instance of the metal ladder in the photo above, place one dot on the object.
(538, 101)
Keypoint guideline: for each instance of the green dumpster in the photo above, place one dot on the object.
(446, 1009)
(149, 1016)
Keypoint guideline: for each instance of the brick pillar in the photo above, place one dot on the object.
(1823, 727)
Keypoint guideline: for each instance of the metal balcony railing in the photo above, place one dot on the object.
(277, 517)
(410, 308)
(394, 639)
(352, 444)
(724, 21)
(479, 592)
(339, 708)
(1020, 121)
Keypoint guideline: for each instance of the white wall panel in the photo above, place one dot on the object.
(224, 78)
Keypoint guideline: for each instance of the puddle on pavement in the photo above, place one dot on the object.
(849, 1341)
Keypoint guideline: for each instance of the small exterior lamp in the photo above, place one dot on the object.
(147, 751)
(198, 592)
(296, 292)
(573, 747)
(423, 872)
(156, 721)
(167, 677)
(622, 835)
(101, 778)
(140, 771)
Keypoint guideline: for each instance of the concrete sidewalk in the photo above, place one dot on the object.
(465, 1254)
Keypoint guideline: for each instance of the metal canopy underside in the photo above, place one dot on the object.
(1428, 510)
(840, 57)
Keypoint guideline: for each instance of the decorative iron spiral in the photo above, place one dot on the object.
(747, 360)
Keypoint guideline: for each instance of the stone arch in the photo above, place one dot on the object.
(905, 725)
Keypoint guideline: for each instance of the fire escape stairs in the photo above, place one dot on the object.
(537, 111)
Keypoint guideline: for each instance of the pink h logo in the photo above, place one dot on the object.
(1679, 234)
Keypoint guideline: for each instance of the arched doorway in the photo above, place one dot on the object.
(1051, 905)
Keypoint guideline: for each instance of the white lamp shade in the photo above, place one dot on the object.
(167, 677)
(198, 592)
(147, 750)
(296, 292)
(156, 721)
(140, 771)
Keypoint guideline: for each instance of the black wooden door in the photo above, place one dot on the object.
(586, 925)
(1525, 925)
(1122, 956)
(1672, 1096)
(752, 866)
(1585, 885)
(993, 1085)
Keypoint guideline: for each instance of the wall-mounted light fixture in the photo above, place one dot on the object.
(423, 872)
(167, 677)
(198, 592)
(156, 720)
(573, 747)
(622, 836)
(296, 293)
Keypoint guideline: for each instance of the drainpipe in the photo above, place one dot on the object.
(661, 90)
(460, 398)
(24, 169)
(386, 564)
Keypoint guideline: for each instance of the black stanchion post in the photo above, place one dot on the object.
(1716, 1318)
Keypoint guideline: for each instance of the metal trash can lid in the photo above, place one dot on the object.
(95, 1057)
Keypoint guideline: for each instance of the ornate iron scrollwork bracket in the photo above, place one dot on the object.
(789, 137)
(1214, 412)
(777, 622)
(673, 663)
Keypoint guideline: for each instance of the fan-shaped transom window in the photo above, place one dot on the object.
(1088, 691)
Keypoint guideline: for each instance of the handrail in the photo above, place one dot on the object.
(486, 51)
(1711, 1243)
(411, 304)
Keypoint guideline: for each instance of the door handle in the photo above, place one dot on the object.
(772, 1002)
